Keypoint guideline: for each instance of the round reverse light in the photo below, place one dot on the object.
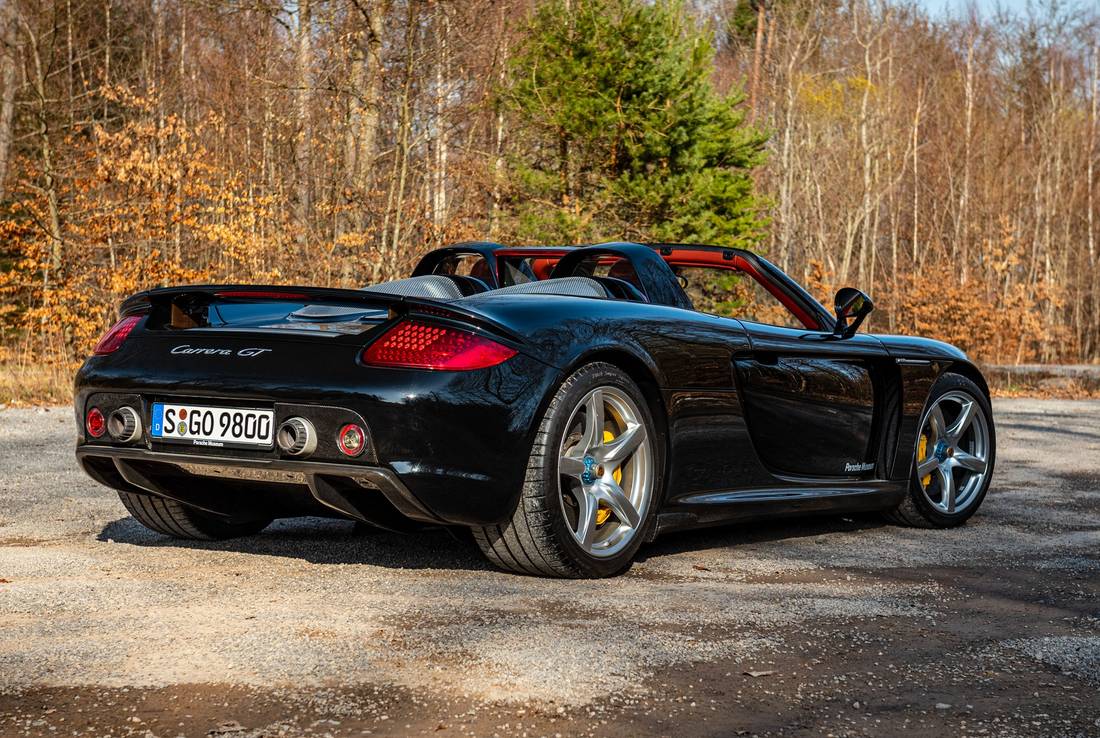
(351, 439)
(95, 423)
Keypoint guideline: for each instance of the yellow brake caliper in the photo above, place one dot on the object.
(603, 512)
(922, 455)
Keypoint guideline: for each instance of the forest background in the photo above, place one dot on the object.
(946, 165)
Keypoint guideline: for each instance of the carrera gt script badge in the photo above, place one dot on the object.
(245, 352)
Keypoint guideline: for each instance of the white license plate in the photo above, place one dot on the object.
(217, 427)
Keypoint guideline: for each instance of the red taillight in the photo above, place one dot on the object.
(351, 439)
(113, 338)
(418, 345)
(95, 423)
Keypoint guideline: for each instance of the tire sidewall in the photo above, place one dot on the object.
(950, 382)
(579, 384)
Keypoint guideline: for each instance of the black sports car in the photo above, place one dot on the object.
(564, 404)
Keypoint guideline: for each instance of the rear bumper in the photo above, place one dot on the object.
(203, 482)
(445, 447)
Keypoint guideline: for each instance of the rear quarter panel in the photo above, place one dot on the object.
(687, 358)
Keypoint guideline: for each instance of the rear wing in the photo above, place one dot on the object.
(187, 307)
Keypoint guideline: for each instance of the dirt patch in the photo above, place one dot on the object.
(1087, 482)
(850, 626)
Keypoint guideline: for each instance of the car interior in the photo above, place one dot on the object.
(463, 275)
(602, 276)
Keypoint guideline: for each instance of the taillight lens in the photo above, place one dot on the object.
(114, 337)
(95, 423)
(419, 345)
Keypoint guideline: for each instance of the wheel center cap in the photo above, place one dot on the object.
(943, 451)
(588, 476)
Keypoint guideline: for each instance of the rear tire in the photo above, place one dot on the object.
(589, 519)
(180, 521)
(953, 399)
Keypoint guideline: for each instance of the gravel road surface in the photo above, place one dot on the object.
(828, 626)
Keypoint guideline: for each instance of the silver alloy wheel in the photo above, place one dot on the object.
(605, 471)
(953, 452)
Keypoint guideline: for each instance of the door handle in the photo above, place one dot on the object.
(770, 358)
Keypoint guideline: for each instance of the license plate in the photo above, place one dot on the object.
(217, 427)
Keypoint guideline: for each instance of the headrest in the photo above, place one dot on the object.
(571, 286)
(429, 286)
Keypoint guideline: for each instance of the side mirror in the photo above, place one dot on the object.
(852, 307)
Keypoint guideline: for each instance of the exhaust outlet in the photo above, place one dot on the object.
(297, 437)
(124, 425)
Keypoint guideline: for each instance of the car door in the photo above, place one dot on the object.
(810, 400)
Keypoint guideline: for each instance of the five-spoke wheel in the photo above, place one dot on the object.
(952, 452)
(605, 471)
(954, 456)
(592, 482)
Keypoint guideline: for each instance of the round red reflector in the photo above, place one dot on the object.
(351, 439)
(96, 423)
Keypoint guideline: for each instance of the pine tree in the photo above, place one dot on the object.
(618, 131)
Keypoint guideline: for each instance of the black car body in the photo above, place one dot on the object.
(749, 419)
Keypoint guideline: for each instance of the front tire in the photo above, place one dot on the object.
(592, 484)
(953, 460)
(181, 521)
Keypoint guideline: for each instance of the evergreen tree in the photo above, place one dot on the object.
(620, 133)
(743, 19)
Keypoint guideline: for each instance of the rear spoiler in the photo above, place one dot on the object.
(179, 307)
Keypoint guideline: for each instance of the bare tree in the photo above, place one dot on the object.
(303, 150)
(7, 85)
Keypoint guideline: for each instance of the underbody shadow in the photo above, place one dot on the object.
(330, 541)
(323, 541)
(730, 535)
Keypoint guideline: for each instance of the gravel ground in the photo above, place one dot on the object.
(841, 626)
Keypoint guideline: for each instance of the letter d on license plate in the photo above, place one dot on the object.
(217, 427)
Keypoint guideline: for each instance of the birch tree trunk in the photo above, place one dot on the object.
(360, 143)
(304, 144)
(758, 50)
(916, 174)
(496, 194)
(7, 86)
(1093, 334)
(865, 147)
(962, 238)
(442, 75)
(45, 150)
(399, 175)
(1090, 176)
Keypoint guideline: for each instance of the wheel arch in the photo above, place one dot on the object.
(637, 369)
(971, 372)
(643, 374)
